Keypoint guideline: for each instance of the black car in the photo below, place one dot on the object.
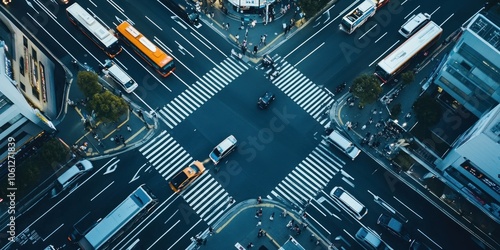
(394, 226)
(266, 100)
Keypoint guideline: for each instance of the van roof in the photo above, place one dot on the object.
(414, 21)
(73, 170)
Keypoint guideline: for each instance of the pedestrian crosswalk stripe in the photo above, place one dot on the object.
(300, 196)
(157, 140)
(304, 169)
(321, 175)
(195, 99)
(309, 176)
(222, 67)
(289, 195)
(203, 89)
(300, 183)
(193, 105)
(298, 189)
(289, 86)
(225, 77)
(326, 148)
(187, 104)
(296, 176)
(216, 82)
(201, 93)
(303, 91)
(206, 196)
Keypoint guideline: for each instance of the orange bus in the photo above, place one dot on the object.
(154, 56)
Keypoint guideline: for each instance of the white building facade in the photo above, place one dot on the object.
(471, 73)
(472, 167)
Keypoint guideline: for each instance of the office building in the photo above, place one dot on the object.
(471, 71)
(472, 166)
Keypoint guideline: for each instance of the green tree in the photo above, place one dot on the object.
(311, 7)
(408, 77)
(54, 151)
(108, 107)
(88, 83)
(366, 88)
(427, 110)
(395, 111)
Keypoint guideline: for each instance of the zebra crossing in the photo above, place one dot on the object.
(205, 195)
(309, 177)
(197, 94)
(313, 99)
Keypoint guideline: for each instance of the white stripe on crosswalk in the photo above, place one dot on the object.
(309, 176)
(205, 195)
(303, 91)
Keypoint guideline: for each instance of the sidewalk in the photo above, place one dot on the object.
(103, 139)
(237, 27)
(240, 227)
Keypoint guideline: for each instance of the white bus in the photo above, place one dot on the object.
(358, 16)
(352, 205)
(131, 210)
(121, 78)
(346, 146)
(94, 30)
(401, 57)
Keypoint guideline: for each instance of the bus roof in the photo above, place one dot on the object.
(145, 45)
(92, 25)
(412, 46)
(120, 216)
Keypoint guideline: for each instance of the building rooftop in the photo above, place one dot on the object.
(486, 30)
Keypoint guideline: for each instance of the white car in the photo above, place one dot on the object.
(227, 146)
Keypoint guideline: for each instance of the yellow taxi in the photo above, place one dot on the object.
(182, 179)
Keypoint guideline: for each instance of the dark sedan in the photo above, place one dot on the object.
(266, 100)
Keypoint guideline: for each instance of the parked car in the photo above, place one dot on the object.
(394, 226)
(182, 179)
(266, 100)
(227, 146)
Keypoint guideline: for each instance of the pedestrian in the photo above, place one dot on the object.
(255, 49)
(237, 37)
(304, 225)
(260, 212)
(250, 245)
(253, 23)
(262, 40)
(363, 128)
(289, 224)
(284, 213)
(129, 129)
(210, 230)
(242, 26)
(259, 200)
(259, 223)
(227, 26)
(212, 14)
(272, 217)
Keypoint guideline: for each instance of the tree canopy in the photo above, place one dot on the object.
(427, 110)
(311, 7)
(408, 77)
(107, 106)
(366, 88)
(88, 83)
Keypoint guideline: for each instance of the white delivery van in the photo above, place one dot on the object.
(342, 143)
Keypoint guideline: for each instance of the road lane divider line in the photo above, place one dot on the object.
(408, 207)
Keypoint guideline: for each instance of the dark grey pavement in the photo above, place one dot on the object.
(240, 227)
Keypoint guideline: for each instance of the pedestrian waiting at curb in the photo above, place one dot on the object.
(259, 223)
(259, 200)
(272, 217)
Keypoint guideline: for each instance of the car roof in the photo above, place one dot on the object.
(190, 172)
(226, 143)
